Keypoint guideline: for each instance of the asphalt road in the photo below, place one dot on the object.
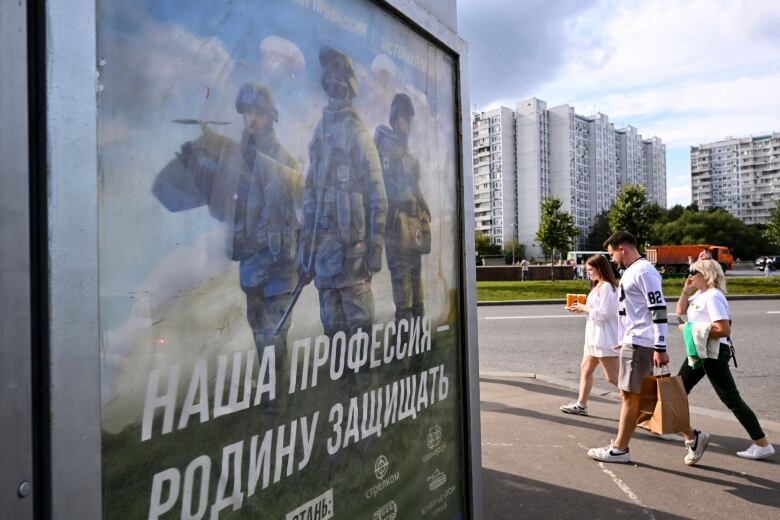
(546, 339)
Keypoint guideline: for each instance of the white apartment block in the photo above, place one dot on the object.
(740, 175)
(495, 212)
(580, 160)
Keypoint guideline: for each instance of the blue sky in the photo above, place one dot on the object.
(688, 72)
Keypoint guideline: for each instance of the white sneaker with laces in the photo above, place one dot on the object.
(609, 454)
(756, 452)
(574, 408)
(696, 448)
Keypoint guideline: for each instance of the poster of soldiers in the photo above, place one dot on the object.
(279, 255)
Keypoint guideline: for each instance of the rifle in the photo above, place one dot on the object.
(302, 282)
(198, 122)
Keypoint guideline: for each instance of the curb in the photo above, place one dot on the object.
(615, 396)
(738, 297)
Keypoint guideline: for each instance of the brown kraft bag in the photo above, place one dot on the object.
(663, 405)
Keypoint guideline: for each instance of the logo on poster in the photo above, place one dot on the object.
(388, 511)
(434, 437)
(380, 467)
(436, 480)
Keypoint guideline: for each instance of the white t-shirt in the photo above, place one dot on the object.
(642, 307)
(601, 328)
(708, 307)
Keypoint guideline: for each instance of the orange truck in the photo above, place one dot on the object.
(674, 259)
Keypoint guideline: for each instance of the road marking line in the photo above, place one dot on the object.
(773, 312)
(621, 485)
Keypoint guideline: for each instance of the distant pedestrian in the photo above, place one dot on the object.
(708, 312)
(769, 266)
(524, 269)
(600, 331)
(642, 336)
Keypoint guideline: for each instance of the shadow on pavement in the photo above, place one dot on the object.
(756, 490)
(531, 386)
(510, 496)
(559, 418)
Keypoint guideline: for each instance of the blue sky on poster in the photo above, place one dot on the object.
(689, 72)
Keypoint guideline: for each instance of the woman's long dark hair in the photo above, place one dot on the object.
(601, 264)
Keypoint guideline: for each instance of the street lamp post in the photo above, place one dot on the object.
(514, 242)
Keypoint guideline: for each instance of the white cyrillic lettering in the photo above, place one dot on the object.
(334, 442)
(400, 345)
(422, 391)
(426, 334)
(220, 408)
(233, 403)
(299, 344)
(444, 384)
(198, 389)
(391, 403)
(434, 371)
(153, 401)
(283, 451)
(389, 351)
(321, 347)
(307, 437)
(338, 353)
(202, 463)
(236, 499)
(358, 350)
(414, 336)
(157, 508)
(259, 459)
(372, 414)
(408, 392)
(373, 361)
(352, 430)
(267, 370)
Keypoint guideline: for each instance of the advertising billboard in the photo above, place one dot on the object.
(279, 255)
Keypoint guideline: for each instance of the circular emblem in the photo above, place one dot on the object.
(385, 162)
(380, 467)
(418, 237)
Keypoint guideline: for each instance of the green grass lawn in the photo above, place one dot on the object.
(547, 290)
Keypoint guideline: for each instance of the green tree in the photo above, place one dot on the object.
(599, 232)
(772, 231)
(631, 211)
(717, 227)
(556, 229)
(513, 250)
(483, 246)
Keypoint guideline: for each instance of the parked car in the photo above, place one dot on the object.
(761, 260)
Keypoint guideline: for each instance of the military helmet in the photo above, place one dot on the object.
(340, 64)
(401, 106)
(256, 97)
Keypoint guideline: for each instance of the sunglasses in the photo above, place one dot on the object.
(693, 272)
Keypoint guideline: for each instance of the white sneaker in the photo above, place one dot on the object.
(574, 408)
(756, 452)
(696, 447)
(609, 454)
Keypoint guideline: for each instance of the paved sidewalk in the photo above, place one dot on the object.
(535, 463)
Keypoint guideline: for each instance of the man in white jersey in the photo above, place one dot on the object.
(642, 332)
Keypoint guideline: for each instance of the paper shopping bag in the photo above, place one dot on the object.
(647, 399)
(670, 414)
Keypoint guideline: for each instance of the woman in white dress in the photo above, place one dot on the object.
(601, 331)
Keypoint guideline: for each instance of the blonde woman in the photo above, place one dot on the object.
(601, 334)
(709, 306)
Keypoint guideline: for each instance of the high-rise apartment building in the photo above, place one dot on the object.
(494, 174)
(740, 175)
(555, 152)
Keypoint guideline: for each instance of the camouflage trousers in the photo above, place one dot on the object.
(347, 309)
(263, 313)
(406, 277)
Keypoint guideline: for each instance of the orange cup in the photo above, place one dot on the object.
(582, 298)
(570, 299)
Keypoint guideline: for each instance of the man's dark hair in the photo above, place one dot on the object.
(620, 238)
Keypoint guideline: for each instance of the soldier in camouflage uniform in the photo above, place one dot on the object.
(254, 187)
(408, 218)
(344, 205)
